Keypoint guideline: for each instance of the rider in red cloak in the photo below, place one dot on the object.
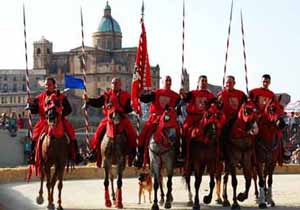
(37, 106)
(159, 99)
(197, 101)
(119, 100)
(232, 99)
(262, 95)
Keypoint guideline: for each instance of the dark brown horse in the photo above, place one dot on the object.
(269, 149)
(114, 149)
(239, 151)
(204, 151)
(52, 150)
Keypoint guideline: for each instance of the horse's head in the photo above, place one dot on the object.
(114, 116)
(167, 126)
(248, 115)
(274, 113)
(213, 121)
(53, 108)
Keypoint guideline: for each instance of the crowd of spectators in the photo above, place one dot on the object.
(11, 122)
(291, 137)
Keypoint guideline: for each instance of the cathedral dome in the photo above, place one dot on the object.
(108, 23)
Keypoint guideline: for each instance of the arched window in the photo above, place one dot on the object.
(38, 51)
(48, 51)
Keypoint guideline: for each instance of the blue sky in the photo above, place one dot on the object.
(271, 33)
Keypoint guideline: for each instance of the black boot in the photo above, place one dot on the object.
(139, 158)
(179, 156)
(31, 158)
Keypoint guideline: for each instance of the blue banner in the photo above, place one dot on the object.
(73, 82)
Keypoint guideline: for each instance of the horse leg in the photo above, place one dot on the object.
(53, 182)
(169, 199)
(119, 203)
(270, 182)
(226, 203)
(113, 195)
(198, 179)
(254, 176)
(218, 188)
(50, 199)
(162, 194)
(247, 174)
(188, 183)
(40, 199)
(261, 184)
(60, 176)
(106, 184)
(234, 183)
(207, 199)
(155, 186)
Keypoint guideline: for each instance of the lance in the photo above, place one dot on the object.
(27, 75)
(244, 53)
(86, 117)
(227, 44)
(182, 56)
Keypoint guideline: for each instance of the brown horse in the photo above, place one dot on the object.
(239, 151)
(269, 149)
(204, 151)
(114, 148)
(52, 150)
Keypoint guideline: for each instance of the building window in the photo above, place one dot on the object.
(24, 78)
(14, 88)
(5, 87)
(15, 78)
(5, 78)
(38, 51)
(2, 99)
(19, 99)
(48, 51)
(24, 87)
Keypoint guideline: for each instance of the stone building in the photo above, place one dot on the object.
(104, 60)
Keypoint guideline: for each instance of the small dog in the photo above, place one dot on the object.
(145, 184)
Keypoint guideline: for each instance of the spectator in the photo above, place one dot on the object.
(27, 149)
(20, 122)
(12, 124)
(3, 121)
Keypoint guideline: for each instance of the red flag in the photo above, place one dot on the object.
(142, 75)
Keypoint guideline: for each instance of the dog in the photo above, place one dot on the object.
(145, 184)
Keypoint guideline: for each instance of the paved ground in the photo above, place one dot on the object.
(88, 195)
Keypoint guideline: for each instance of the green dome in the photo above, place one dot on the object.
(108, 24)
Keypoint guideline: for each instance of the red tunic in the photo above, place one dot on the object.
(195, 109)
(262, 96)
(163, 98)
(117, 101)
(232, 101)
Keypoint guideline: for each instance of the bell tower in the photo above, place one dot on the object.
(42, 54)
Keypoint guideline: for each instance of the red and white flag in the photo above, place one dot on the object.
(142, 76)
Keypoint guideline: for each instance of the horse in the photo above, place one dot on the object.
(268, 149)
(114, 150)
(52, 149)
(162, 153)
(239, 151)
(204, 151)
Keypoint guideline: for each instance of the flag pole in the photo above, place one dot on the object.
(244, 53)
(27, 75)
(86, 117)
(183, 39)
(227, 44)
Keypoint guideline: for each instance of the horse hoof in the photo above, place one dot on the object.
(108, 203)
(51, 206)
(207, 199)
(219, 201)
(168, 205)
(119, 206)
(161, 202)
(226, 203)
(60, 208)
(39, 200)
(155, 207)
(242, 196)
(190, 203)
(262, 206)
(272, 204)
(235, 206)
(196, 207)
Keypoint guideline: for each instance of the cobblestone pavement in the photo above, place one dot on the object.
(88, 195)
